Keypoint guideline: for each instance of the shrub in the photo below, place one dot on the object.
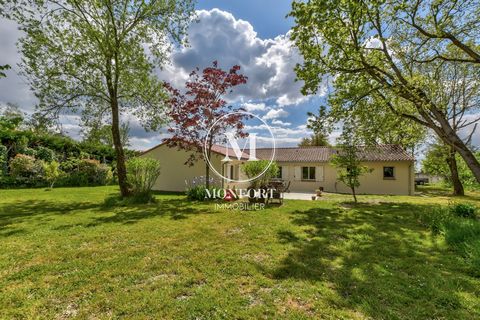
(51, 172)
(3, 160)
(93, 173)
(29, 152)
(142, 174)
(70, 165)
(255, 168)
(45, 154)
(26, 169)
(463, 210)
(85, 172)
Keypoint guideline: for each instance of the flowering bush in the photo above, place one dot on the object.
(26, 169)
(196, 189)
(86, 172)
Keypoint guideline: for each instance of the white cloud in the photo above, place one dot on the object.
(268, 63)
(281, 123)
(286, 100)
(373, 43)
(218, 35)
(254, 106)
(275, 113)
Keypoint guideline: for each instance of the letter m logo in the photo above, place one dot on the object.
(233, 142)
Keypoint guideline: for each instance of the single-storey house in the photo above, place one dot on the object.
(306, 168)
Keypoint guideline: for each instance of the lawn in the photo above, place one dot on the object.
(65, 255)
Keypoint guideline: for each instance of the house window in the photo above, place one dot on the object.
(308, 173)
(388, 173)
(232, 170)
(279, 173)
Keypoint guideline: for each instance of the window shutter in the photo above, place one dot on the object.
(285, 173)
(229, 171)
(319, 174)
(298, 174)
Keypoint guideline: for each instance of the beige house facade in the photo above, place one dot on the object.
(305, 168)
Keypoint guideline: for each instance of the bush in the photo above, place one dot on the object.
(45, 154)
(85, 172)
(464, 210)
(3, 160)
(26, 170)
(142, 174)
(254, 168)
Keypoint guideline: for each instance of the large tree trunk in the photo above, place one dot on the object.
(470, 159)
(117, 142)
(457, 183)
(450, 137)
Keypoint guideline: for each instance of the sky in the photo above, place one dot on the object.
(252, 34)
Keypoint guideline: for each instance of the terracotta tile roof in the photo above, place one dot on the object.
(324, 154)
(319, 154)
(386, 152)
(222, 150)
(304, 154)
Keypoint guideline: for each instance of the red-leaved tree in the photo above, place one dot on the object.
(194, 112)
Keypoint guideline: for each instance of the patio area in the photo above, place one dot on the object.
(298, 196)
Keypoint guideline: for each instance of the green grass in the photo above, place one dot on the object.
(64, 254)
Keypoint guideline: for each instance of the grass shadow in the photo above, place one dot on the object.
(41, 211)
(376, 260)
(176, 209)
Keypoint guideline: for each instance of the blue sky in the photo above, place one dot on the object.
(266, 16)
(252, 34)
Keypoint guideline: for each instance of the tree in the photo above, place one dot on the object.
(348, 162)
(51, 172)
(98, 134)
(11, 118)
(371, 53)
(98, 57)
(430, 27)
(254, 168)
(316, 140)
(194, 112)
(41, 124)
(2, 68)
(321, 126)
(460, 96)
(438, 162)
(374, 125)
